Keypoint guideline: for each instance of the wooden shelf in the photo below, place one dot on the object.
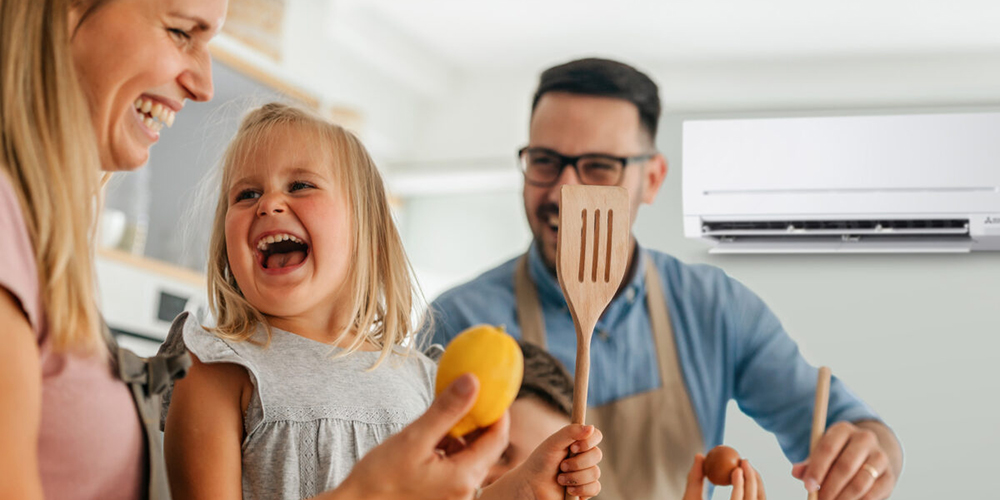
(162, 268)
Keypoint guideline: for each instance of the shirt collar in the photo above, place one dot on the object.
(548, 285)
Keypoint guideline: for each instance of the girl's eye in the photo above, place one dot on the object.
(179, 34)
(297, 185)
(247, 194)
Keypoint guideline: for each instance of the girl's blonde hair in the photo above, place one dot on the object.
(381, 278)
(50, 156)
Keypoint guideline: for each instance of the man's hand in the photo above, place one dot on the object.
(858, 461)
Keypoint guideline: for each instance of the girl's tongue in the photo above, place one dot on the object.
(286, 259)
(285, 254)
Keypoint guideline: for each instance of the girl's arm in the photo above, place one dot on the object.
(204, 432)
(20, 403)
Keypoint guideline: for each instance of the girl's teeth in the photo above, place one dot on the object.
(146, 106)
(268, 240)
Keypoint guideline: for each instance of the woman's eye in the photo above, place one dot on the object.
(246, 195)
(179, 34)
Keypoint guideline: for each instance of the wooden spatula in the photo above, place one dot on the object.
(592, 254)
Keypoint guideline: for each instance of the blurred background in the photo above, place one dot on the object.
(440, 91)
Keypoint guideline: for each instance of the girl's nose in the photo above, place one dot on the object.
(270, 205)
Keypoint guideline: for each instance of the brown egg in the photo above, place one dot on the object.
(719, 465)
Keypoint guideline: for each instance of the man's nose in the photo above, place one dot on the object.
(568, 177)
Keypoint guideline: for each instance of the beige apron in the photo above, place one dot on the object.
(650, 439)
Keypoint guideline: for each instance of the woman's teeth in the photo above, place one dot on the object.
(275, 238)
(156, 115)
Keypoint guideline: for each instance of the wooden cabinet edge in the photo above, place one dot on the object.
(154, 266)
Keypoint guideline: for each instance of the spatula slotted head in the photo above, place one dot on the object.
(592, 251)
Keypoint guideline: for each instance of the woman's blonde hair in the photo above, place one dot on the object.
(381, 278)
(51, 158)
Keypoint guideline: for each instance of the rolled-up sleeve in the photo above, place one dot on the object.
(774, 384)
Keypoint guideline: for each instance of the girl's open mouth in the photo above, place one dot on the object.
(281, 252)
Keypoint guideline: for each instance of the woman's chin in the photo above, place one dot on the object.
(125, 159)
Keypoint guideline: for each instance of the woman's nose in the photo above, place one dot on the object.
(197, 78)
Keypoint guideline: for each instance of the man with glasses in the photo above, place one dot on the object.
(678, 341)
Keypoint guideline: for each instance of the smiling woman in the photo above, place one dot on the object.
(133, 93)
(86, 86)
(72, 73)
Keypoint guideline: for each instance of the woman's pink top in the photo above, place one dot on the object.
(90, 444)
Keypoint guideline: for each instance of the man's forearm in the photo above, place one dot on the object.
(888, 441)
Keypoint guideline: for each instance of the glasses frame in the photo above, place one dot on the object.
(573, 161)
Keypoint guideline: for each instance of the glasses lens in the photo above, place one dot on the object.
(599, 170)
(540, 166)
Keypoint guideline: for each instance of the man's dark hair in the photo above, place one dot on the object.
(546, 379)
(605, 78)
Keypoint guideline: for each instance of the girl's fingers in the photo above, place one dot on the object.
(580, 477)
(761, 495)
(588, 443)
(585, 490)
(750, 490)
(695, 479)
(738, 486)
(582, 461)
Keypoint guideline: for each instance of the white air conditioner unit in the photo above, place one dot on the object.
(902, 183)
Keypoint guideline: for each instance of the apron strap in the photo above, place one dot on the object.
(147, 380)
(529, 309)
(659, 321)
(666, 348)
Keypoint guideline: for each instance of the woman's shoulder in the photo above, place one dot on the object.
(18, 269)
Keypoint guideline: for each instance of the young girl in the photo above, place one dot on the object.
(306, 369)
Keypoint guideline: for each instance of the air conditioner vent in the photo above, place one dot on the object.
(843, 227)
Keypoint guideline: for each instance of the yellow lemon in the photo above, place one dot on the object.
(496, 360)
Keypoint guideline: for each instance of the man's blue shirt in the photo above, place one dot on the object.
(729, 343)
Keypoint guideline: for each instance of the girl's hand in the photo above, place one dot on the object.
(408, 466)
(747, 484)
(547, 474)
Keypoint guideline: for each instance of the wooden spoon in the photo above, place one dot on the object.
(819, 414)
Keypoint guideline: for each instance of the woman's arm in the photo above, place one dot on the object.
(20, 403)
(408, 465)
(204, 432)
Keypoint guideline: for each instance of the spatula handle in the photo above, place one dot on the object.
(581, 384)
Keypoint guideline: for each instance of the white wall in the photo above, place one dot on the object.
(913, 335)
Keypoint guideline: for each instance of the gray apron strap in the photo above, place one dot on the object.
(147, 379)
(529, 309)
